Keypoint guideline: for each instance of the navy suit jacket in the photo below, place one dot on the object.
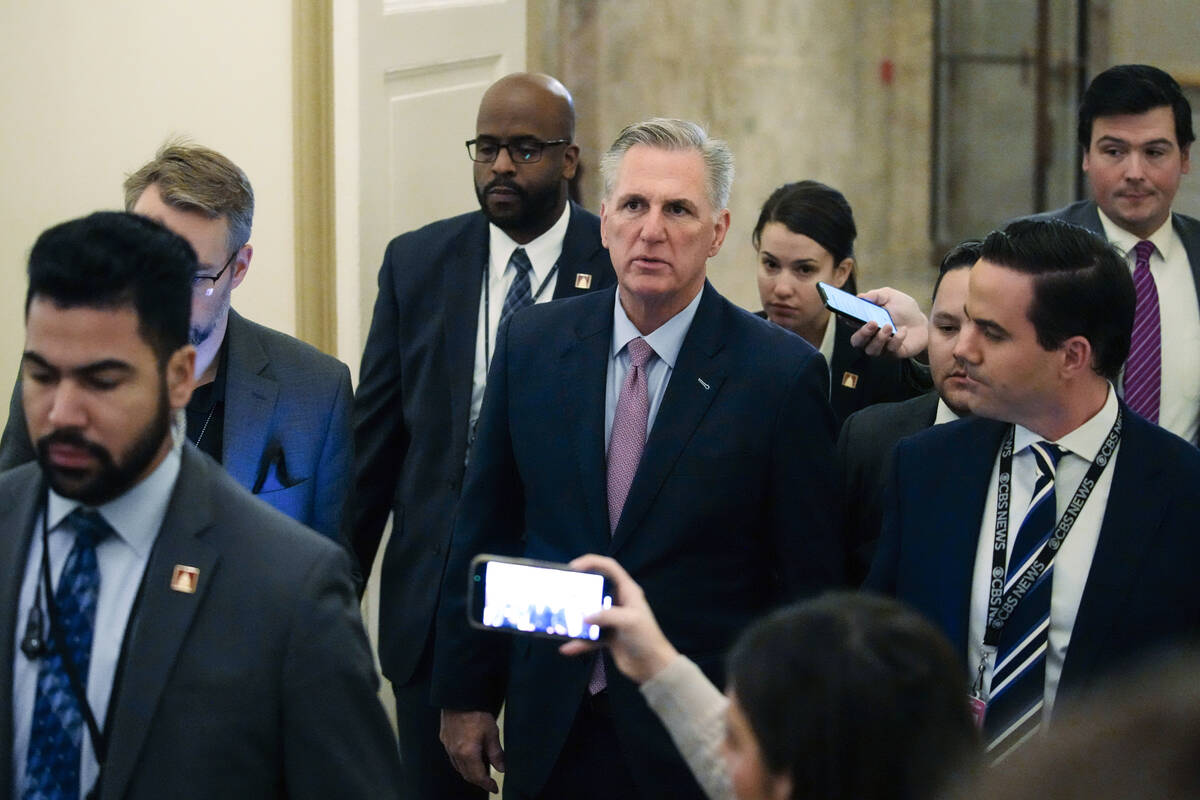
(732, 511)
(286, 431)
(412, 409)
(258, 684)
(865, 446)
(1140, 593)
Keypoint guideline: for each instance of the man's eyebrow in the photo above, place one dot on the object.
(1108, 139)
(85, 369)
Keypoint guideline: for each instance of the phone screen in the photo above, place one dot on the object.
(849, 305)
(540, 600)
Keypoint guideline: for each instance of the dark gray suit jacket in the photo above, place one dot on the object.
(865, 446)
(412, 408)
(287, 425)
(260, 684)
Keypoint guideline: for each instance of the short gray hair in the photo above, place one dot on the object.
(674, 134)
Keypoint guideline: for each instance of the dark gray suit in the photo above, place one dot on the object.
(287, 425)
(260, 684)
(865, 446)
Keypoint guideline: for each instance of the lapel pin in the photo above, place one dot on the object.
(849, 380)
(184, 579)
(583, 281)
(702, 383)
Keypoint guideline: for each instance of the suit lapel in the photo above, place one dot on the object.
(683, 406)
(163, 618)
(250, 397)
(462, 279)
(20, 507)
(579, 247)
(1130, 525)
(584, 371)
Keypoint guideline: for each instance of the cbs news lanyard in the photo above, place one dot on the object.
(1001, 604)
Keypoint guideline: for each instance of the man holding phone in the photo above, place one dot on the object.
(717, 492)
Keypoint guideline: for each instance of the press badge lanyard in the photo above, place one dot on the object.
(1001, 604)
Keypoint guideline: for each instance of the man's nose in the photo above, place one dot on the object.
(68, 408)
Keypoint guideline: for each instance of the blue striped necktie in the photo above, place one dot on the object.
(56, 738)
(1018, 687)
(520, 293)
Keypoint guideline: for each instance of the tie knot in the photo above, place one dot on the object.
(520, 261)
(90, 528)
(639, 352)
(1143, 250)
(1046, 455)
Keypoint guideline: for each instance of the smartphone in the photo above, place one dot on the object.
(853, 308)
(537, 598)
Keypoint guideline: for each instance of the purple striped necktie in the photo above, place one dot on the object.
(1143, 368)
(625, 446)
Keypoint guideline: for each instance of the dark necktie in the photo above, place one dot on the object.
(56, 738)
(1143, 368)
(519, 293)
(1018, 687)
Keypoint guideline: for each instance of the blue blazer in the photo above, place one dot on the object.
(1140, 593)
(287, 425)
(412, 409)
(733, 511)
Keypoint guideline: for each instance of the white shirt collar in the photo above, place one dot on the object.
(136, 515)
(1162, 239)
(1086, 440)
(543, 251)
(827, 341)
(944, 413)
(665, 340)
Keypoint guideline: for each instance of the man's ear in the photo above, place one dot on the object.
(181, 376)
(570, 161)
(241, 266)
(1076, 356)
(721, 226)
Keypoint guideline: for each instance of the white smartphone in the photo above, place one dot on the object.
(537, 598)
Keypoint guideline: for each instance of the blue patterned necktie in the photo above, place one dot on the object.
(1018, 687)
(520, 294)
(56, 739)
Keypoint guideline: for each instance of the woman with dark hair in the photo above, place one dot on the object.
(805, 234)
(845, 697)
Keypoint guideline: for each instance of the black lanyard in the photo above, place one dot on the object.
(487, 308)
(1001, 604)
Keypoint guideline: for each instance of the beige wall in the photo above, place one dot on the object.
(89, 90)
(795, 87)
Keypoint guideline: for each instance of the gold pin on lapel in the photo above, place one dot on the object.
(583, 281)
(849, 380)
(184, 579)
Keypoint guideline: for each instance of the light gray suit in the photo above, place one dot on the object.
(260, 684)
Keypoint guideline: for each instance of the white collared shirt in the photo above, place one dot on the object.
(1074, 559)
(1179, 313)
(543, 253)
(944, 413)
(827, 343)
(136, 517)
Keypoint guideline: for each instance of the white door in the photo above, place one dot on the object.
(408, 77)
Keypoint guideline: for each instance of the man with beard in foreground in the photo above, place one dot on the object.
(162, 633)
(443, 292)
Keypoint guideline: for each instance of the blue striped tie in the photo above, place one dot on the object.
(520, 294)
(56, 739)
(1018, 687)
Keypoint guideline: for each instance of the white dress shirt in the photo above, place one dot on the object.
(543, 254)
(1179, 314)
(944, 413)
(1074, 559)
(136, 517)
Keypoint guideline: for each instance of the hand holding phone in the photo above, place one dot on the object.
(853, 308)
(536, 598)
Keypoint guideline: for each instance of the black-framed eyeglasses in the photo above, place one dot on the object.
(198, 281)
(525, 150)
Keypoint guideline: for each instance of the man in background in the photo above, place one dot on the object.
(274, 411)
(444, 291)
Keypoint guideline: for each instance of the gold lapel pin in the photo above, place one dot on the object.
(849, 380)
(184, 579)
(583, 281)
